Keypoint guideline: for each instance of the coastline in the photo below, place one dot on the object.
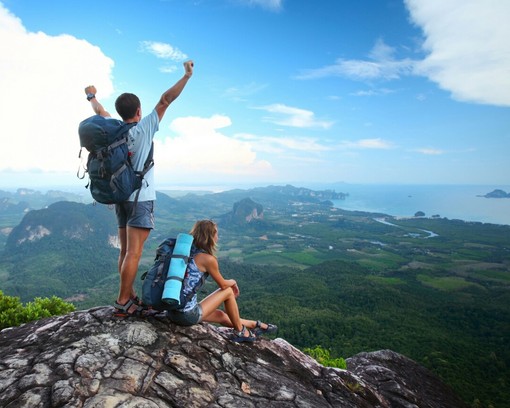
(463, 202)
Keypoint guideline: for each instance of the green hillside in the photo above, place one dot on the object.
(459, 332)
(63, 250)
(436, 290)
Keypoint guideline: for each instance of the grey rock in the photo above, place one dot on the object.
(402, 381)
(89, 359)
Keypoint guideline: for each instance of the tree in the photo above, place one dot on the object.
(13, 312)
(323, 357)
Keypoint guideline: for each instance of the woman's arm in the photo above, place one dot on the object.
(209, 263)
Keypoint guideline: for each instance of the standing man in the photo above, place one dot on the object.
(134, 227)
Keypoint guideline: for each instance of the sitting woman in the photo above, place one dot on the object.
(203, 264)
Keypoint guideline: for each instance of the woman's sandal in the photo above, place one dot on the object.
(270, 329)
(123, 310)
(240, 337)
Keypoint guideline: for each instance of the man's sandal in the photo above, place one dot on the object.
(240, 337)
(270, 329)
(147, 311)
(123, 310)
(137, 301)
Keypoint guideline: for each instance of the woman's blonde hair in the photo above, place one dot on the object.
(203, 235)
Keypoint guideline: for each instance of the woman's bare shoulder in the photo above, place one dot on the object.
(205, 261)
(203, 255)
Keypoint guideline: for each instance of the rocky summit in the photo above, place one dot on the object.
(91, 359)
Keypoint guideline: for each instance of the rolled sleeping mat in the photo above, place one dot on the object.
(176, 270)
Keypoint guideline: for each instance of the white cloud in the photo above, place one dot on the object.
(163, 50)
(200, 149)
(168, 69)
(468, 47)
(293, 117)
(367, 144)
(241, 93)
(429, 151)
(282, 145)
(42, 79)
(273, 5)
(381, 64)
(373, 92)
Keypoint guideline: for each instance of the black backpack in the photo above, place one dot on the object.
(112, 178)
(154, 279)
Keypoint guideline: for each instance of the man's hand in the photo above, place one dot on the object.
(188, 68)
(91, 89)
(94, 103)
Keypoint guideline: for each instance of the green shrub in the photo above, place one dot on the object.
(323, 356)
(13, 312)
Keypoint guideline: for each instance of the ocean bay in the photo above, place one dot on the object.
(464, 202)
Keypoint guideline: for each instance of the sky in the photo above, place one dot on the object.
(283, 91)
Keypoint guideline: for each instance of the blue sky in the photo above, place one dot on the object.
(284, 91)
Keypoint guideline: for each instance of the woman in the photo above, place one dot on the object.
(203, 264)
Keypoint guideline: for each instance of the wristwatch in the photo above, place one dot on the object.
(90, 96)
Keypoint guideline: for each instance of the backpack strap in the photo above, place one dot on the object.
(115, 175)
(122, 129)
(149, 164)
(125, 128)
(186, 260)
(116, 143)
(80, 166)
(101, 154)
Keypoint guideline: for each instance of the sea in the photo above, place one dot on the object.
(462, 202)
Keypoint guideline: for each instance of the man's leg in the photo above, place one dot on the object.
(135, 240)
(135, 224)
(122, 254)
(123, 246)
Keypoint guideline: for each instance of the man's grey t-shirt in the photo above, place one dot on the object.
(139, 143)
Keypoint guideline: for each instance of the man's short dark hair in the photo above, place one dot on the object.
(127, 105)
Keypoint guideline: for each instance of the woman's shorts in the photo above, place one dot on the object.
(189, 318)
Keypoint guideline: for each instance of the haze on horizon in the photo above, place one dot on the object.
(284, 91)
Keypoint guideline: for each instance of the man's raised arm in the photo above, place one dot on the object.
(98, 109)
(172, 94)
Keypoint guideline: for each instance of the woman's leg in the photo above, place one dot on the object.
(211, 313)
(230, 317)
(220, 317)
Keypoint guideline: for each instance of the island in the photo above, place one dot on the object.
(497, 194)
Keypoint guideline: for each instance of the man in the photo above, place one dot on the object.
(134, 227)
